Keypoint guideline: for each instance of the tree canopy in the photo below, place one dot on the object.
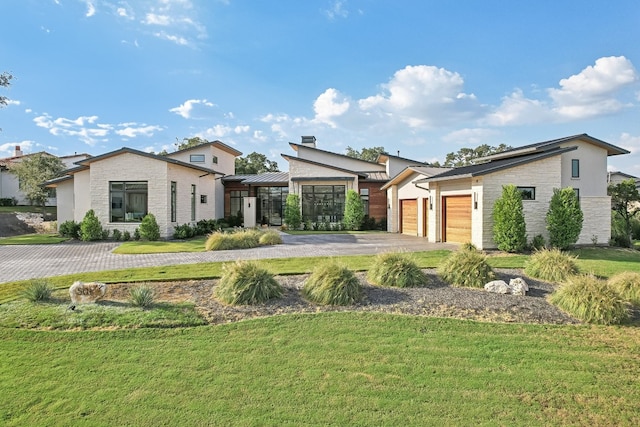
(466, 156)
(624, 202)
(255, 163)
(368, 154)
(5, 81)
(32, 171)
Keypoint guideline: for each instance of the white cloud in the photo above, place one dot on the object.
(330, 104)
(337, 10)
(221, 131)
(12, 102)
(155, 19)
(185, 109)
(630, 142)
(8, 149)
(132, 130)
(179, 40)
(516, 109)
(91, 8)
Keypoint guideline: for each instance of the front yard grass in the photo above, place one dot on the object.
(324, 369)
(33, 239)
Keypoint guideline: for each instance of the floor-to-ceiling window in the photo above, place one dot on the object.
(235, 202)
(128, 201)
(323, 203)
(271, 202)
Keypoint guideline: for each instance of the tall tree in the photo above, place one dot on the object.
(466, 156)
(564, 218)
(255, 163)
(353, 211)
(190, 142)
(624, 202)
(509, 228)
(368, 154)
(32, 171)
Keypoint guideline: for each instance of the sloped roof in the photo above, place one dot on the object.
(221, 145)
(324, 165)
(409, 170)
(495, 165)
(297, 146)
(267, 178)
(612, 150)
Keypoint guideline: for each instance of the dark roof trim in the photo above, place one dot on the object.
(495, 166)
(52, 182)
(329, 178)
(324, 165)
(221, 145)
(124, 150)
(296, 146)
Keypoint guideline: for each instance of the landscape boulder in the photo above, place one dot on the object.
(518, 286)
(497, 287)
(83, 293)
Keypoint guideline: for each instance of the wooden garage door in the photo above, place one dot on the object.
(409, 217)
(457, 219)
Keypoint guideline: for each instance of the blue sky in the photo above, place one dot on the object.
(420, 77)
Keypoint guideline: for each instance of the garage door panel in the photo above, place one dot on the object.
(457, 219)
(409, 217)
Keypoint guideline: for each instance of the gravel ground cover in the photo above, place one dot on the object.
(437, 299)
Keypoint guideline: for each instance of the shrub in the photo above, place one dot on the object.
(509, 228)
(70, 229)
(564, 218)
(142, 296)
(628, 286)
(591, 300)
(117, 234)
(353, 211)
(468, 268)
(396, 269)
(184, 231)
(136, 234)
(245, 282)
(551, 265)
(292, 214)
(270, 237)
(126, 236)
(332, 284)
(38, 290)
(382, 224)
(149, 229)
(538, 242)
(105, 233)
(368, 223)
(90, 229)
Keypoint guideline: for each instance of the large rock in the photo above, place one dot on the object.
(498, 287)
(518, 286)
(83, 293)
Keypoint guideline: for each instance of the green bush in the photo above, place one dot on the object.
(117, 235)
(245, 282)
(628, 286)
(538, 242)
(149, 229)
(353, 211)
(90, 228)
(38, 290)
(105, 233)
(468, 268)
(396, 269)
(270, 237)
(468, 246)
(292, 214)
(509, 228)
(564, 218)
(136, 234)
(142, 296)
(126, 236)
(591, 300)
(184, 231)
(332, 284)
(70, 229)
(551, 265)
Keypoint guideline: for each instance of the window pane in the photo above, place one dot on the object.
(128, 201)
(575, 168)
(197, 158)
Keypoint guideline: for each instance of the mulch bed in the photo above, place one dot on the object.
(438, 299)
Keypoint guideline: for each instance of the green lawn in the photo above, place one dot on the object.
(33, 239)
(324, 369)
(26, 209)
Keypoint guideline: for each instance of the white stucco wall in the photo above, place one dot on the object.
(337, 160)
(226, 161)
(65, 207)
(81, 195)
(593, 169)
(314, 174)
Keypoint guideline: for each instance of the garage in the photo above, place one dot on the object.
(409, 217)
(456, 219)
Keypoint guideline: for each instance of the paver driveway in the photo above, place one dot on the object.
(25, 262)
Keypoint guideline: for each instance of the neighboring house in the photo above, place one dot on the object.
(9, 183)
(618, 177)
(124, 185)
(456, 205)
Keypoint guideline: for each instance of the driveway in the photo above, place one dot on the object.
(26, 262)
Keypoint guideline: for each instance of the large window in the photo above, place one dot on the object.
(575, 168)
(364, 196)
(235, 202)
(128, 201)
(271, 201)
(174, 200)
(323, 203)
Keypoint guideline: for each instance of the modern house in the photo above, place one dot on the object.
(618, 177)
(9, 183)
(122, 186)
(456, 205)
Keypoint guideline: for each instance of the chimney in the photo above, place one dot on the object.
(18, 152)
(309, 141)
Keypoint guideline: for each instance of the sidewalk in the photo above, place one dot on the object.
(37, 261)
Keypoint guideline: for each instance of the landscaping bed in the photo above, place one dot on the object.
(437, 299)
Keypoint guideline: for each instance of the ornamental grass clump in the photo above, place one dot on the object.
(467, 268)
(396, 269)
(142, 296)
(551, 265)
(591, 300)
(331, 283)
(243, 239)
(270, 237)
(245, 283)
(628, 286)
(38, 290)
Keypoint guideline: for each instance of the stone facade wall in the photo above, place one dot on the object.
(596, 227)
